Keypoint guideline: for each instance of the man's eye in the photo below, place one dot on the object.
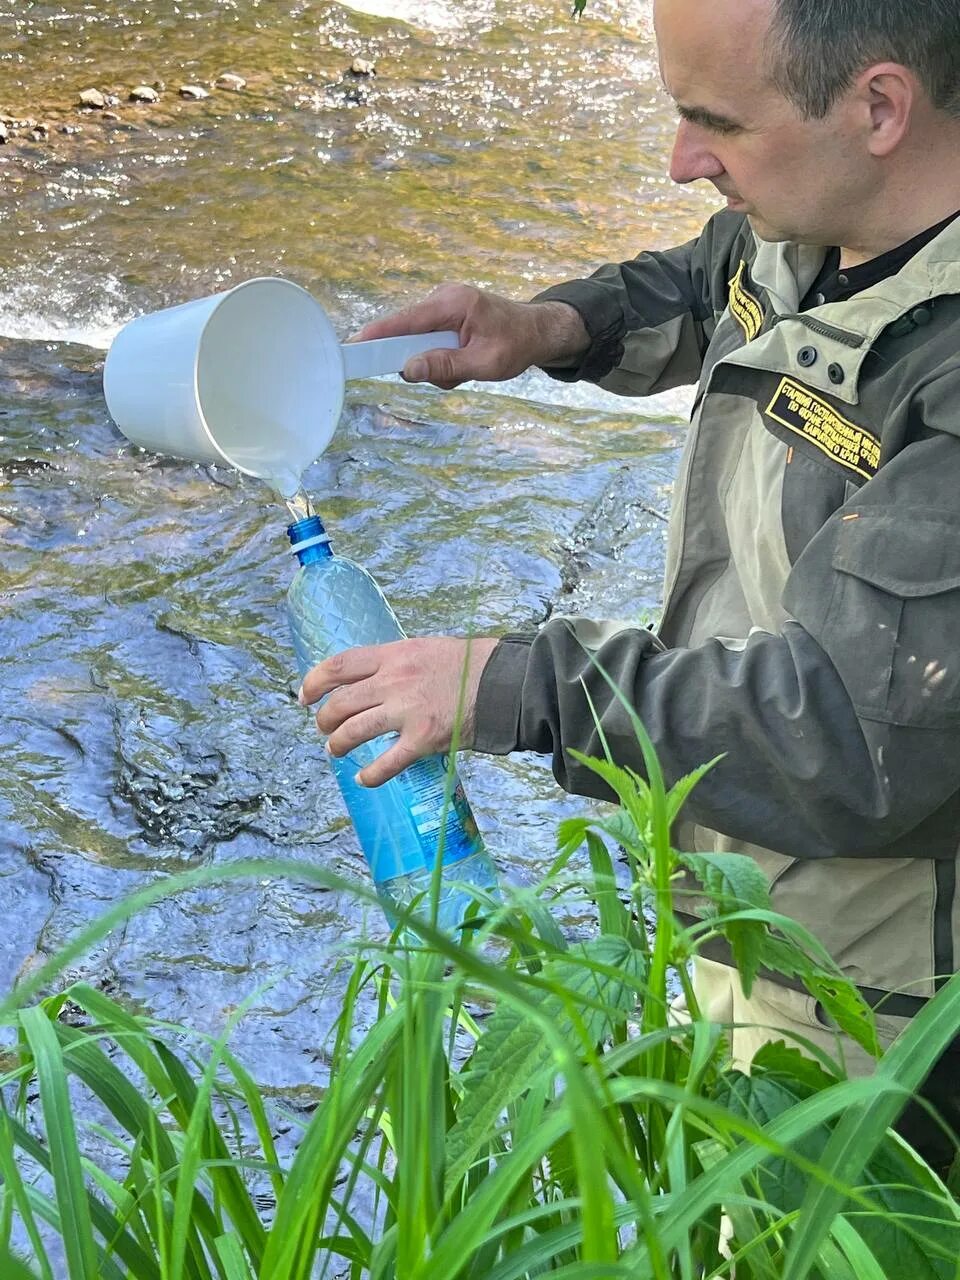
(711, 125)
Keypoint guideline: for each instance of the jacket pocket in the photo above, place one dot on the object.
(893, 626)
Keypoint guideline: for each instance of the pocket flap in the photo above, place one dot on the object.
(907, 554)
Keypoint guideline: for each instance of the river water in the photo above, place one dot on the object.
(150, 722)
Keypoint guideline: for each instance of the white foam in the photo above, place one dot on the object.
(433, 15)
(37, 312)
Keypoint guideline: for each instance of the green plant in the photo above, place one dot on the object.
(577, 1130)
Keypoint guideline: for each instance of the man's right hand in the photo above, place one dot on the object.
(498, 338)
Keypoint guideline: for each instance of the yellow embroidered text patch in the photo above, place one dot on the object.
(816, 420)
(744, 306)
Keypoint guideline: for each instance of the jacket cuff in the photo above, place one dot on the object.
(497, 713)
(604, 321)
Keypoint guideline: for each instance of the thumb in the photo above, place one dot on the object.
(445, 368)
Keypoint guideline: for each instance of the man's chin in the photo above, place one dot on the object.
(764, 231)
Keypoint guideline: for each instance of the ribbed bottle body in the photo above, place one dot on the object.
(404, 825)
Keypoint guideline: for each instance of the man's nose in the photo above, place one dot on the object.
(692, 157)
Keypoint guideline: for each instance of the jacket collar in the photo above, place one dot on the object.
(843, 332)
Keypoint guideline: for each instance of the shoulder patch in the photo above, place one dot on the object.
(814, 419)
(746, 309)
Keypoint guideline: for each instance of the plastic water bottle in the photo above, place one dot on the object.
(333, 604)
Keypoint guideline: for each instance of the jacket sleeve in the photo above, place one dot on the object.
(841, 732)
(650, 319)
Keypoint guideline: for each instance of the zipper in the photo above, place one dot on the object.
(820, 327)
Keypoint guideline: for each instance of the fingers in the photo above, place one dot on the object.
(424, 690)
(355, 729)
(445, 308)
(445, 368)
(386, 766)
(486, 341)
(343, 668)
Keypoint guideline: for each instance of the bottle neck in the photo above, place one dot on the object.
(309, 540)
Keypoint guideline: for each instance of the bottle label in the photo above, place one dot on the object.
(406, 824)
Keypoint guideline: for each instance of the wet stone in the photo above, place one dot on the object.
(93, 99)
(193, 92)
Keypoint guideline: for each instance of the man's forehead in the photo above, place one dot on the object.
(712, 52)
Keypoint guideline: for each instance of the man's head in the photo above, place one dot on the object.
(824, 120)
(818, 47)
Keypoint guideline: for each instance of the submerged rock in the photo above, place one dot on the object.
(193, 92)
(230, 80)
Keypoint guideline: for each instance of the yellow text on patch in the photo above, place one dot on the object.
(802, 411)
(744, 307)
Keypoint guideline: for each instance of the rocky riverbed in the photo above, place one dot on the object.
(368, 153)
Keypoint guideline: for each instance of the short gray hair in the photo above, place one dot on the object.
(818, 47)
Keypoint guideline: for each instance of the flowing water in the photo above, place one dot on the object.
(150, 716)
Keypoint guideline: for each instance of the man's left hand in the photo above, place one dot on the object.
(416, 688)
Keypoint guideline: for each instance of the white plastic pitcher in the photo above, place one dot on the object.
(253, 377)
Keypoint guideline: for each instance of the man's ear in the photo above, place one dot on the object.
(887, 93)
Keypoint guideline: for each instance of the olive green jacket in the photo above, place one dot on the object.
(811, 624)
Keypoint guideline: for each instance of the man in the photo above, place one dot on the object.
(811, 625)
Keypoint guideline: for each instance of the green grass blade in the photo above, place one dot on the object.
(308, 1186)
(861, 1259)
(15, 1192)
(13, 1268)
(138, 1262)
(184, 1227)
(230, 1252)
(66, 1167)
(254, 1101)
(780, 1136)
(906, 1064)
(204, 1140)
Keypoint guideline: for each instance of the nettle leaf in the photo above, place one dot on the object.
(746, 944)
(841, 1000)
(628, 786)
(781, 956)
(845, 1006)
(621, 827)
(513, 1053)
(571, 833)
(911, 1227)
(805, 1076)
(761, 1098)
(903, 1187)
(732, 880)
(563, 1166)
(677, 796)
